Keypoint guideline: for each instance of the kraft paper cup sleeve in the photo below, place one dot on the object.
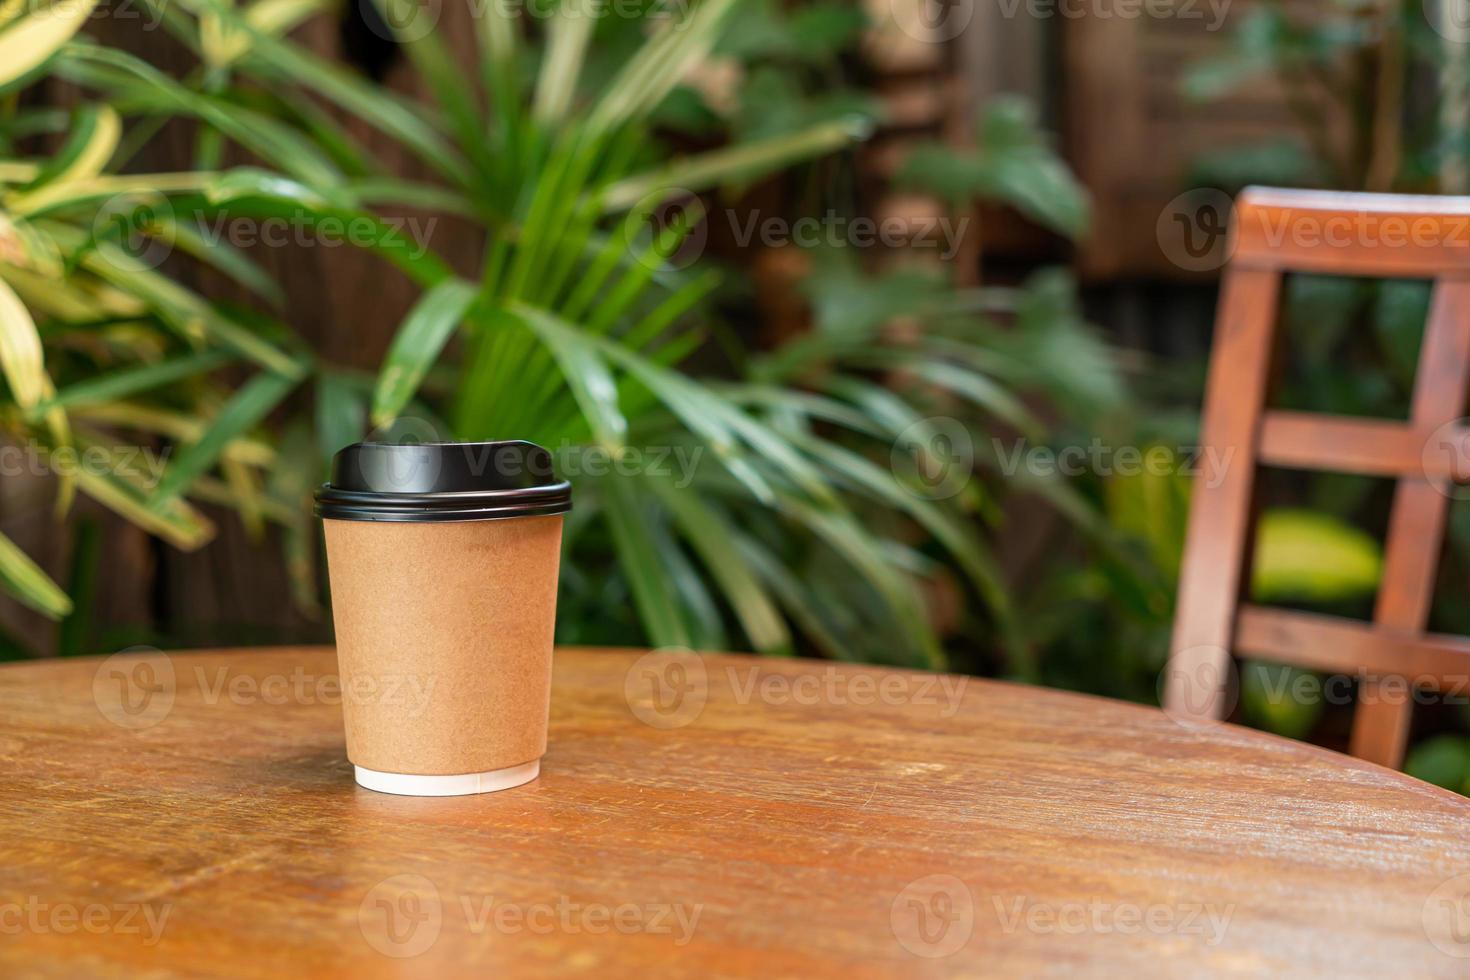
(443, 561)
(444, 640)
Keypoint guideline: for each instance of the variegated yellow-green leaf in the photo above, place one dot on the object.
(95, 131)
(29, 41)
(176, 522)
(54, 196)
(43, 295)
(10, 9)
(24, 579)
(277, 17)
(21, 359)
(223, 45)
(23, 364)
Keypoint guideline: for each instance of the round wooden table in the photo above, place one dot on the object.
(193, 813)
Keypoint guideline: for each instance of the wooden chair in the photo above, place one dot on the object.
(1376, 235)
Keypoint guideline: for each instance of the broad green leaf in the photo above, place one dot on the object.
(248, 182)
(125, 382)
(587, 376)
(418, 343)
(247, 407)
(741, 162)
(370, 191)
(957, 536)
(793, 596)
(25, 580)
(341, 412)
(1306, 555)
(867, 556)
(714, 540)
(1013, 165)
(642, 564)
(714, 418)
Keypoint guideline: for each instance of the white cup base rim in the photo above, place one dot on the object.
(459, 784)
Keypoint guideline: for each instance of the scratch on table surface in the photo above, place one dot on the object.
(179, 883)
(872, 793)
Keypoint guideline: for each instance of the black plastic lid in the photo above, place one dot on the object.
(442, 481)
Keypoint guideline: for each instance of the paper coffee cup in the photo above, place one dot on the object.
(443, 561)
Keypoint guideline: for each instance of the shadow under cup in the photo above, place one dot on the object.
(443, 559)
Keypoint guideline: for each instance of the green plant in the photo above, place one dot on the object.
(104, 356)
(1348, 73)
(580, 328)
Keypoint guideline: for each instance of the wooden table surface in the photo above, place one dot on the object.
(194, 814)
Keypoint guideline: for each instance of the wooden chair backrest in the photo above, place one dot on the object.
(1375, 235)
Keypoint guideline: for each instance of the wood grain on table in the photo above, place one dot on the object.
(194, 814)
